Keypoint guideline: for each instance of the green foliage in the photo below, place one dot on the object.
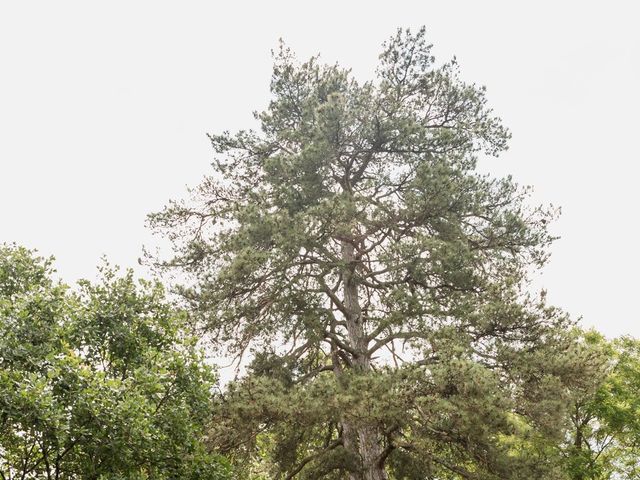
(605, 418)
(99, 383)
(379, 281)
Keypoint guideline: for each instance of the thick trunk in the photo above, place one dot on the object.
(370, 451)
(361, 440)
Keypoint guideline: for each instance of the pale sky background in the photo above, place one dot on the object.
(104, 108)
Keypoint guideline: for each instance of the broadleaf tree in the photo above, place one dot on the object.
(378, 280)
(102, 382)
(604, 440)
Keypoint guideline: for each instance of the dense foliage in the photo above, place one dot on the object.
(104, 382)
(378, 281)
(604, 439)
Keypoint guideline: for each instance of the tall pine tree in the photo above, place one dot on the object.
(377, 278)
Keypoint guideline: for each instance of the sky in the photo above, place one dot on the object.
(105, 106)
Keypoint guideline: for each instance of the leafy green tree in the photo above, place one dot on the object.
(605, 419)
(377, 279)
(101, 383)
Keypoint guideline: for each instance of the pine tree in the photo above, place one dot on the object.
(377, 278)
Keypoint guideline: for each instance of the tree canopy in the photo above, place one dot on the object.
(604, 440)
(378, 280)
(100, 382)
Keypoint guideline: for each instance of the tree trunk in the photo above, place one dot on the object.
(578, 445)
(361, 440)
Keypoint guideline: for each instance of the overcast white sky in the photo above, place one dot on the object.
(104, 108)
